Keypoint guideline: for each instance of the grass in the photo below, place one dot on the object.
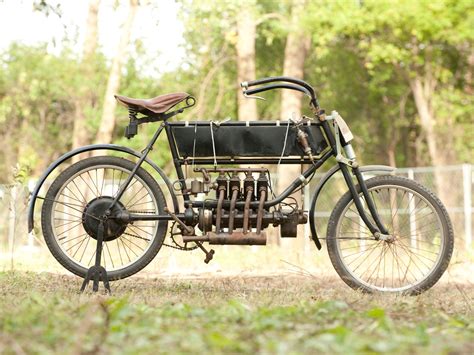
(43, 313)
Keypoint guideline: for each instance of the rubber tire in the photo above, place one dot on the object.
(56, 186)
(446, 253)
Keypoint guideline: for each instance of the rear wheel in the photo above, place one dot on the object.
(81, 194)
(414, 255)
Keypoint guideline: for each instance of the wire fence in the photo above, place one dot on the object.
(457, 195)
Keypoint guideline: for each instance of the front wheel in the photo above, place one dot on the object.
(414, 255)
(80, 195)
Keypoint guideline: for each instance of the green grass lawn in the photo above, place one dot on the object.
(43, 313)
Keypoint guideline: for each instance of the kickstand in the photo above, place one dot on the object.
(97, 272)
(209, 254)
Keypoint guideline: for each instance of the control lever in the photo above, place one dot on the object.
(245, 85)
(303, 141)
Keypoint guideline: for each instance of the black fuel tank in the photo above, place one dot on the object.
(244, 139)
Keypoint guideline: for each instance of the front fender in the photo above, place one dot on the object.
(323, 181)
(88, 148)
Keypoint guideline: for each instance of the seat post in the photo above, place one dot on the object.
(132, 113)
(132, 128)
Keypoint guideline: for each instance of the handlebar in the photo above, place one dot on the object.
(277, 86)
(301, 86)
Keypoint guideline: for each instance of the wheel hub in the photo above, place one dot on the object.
(95, 210)
(389, 238)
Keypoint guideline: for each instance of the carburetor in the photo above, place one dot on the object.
(198, 186)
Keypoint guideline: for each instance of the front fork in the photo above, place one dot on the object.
(379, 229)
(341, 143)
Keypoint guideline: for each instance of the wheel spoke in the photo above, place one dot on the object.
(77, 203)
(403, 259)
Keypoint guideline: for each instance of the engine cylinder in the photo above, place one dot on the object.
(262, 185)
(222, 185)
(249, 185)
(234, 184)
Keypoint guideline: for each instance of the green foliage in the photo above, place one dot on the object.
(39, 320)
(39, 95)
(35, 106)
(395, 42)
(363, 60)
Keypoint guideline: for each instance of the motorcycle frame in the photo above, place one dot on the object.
(332, 139)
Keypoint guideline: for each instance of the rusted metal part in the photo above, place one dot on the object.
(186, 229)
(205, 219)
(236, 238)
(263, 196)
(235, 193)
(219, 208)
(196, 187)
(268, 218)
(289, 229)
(249, 182)
(303, 141)
(209, 254)
(237, 170)
(234, 188)
(320, 114)
(249, 187)
(205, 174)
(247, 210)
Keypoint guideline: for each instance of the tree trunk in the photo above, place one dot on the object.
(91, 37)
(80, 135)
(107, 124)
(297, 46)
(423, 105)
(440, 147)
(246, 33)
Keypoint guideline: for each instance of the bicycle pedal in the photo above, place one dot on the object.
(209, 256)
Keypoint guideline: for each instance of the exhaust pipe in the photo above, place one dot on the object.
(232, 210)
(219, 209)
(260, 211)
(247, 211)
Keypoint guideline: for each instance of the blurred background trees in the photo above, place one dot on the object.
(399, 72)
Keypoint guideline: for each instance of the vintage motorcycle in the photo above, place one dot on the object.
(106, 217)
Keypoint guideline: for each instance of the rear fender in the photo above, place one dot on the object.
(88, 148)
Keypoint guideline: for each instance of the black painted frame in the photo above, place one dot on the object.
(179, 162)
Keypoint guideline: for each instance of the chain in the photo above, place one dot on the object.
(173, 232)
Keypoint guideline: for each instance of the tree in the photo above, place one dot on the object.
(427, 44)
(86, 95)
(297, 46)
(246, 35)
(104, 135)
(35, 107)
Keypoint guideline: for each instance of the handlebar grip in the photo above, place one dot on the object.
(303, 86)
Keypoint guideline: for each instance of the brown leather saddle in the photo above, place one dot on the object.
(156, 105)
